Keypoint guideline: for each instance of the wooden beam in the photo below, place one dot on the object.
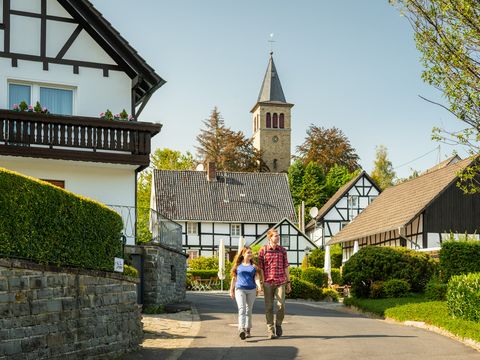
(48, 17)
(43, 31)
(6, 24)
(51, 60)
(69, 42)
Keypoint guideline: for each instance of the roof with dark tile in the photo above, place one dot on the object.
(233, 197)
(396, 206)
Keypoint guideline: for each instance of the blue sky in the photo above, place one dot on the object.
(350, 64)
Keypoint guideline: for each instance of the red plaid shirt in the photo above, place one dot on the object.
(274, 264)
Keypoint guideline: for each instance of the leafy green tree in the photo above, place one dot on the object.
(230, 150)
(337, 177)
(315, 259)
(295, 180)
(383, 172)
(327, 147)
(447, 34)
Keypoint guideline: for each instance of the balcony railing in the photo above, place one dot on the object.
(75, 137)
(149, 226)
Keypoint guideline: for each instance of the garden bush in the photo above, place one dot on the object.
(315, 276)
(49, 225)
(463, 296)
(129, 270)
(336, 256)
(295, 271)
(459, 257)
(436, 290)
(379, 263)
(336, 276)
(203, 263)
(315, 259)
(376, 290)
(302, 289)
(330, 295)
(395, 288)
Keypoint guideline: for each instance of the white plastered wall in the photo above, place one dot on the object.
(93, 93)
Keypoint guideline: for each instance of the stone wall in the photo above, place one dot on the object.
(164, 275)
(58, 313)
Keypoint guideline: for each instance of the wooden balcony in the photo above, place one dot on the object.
(77, 138)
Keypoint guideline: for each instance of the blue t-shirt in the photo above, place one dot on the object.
(245, 277)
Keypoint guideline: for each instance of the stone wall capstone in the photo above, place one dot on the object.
(164, 275)
(48, 312)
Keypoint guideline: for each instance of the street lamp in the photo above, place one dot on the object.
(307, 252)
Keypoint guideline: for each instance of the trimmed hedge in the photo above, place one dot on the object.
(459, 257)
(463, 296)
(44, 223)
(394, 288)
(381, 263)
(302, 289)
(315, 276)
(436, 290)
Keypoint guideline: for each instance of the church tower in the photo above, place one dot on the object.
(272, 122)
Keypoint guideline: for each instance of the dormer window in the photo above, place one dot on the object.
(57, 99)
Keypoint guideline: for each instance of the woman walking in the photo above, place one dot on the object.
(243, 288)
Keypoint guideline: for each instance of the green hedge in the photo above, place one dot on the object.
(463, 296)
(44, 223)
(315, 276)
(436, 290)
(459, 257)
(381, 263)
(302, 289)
(394, 288)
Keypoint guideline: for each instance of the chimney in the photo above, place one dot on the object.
(211, 171)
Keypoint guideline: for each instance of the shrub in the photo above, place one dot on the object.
(302, 289)
(204, 274)
(436, 290)
(395, 288)
(376, 290)
(315, 276)
(379, 263)
(336, 276)
(330, 295)
(459, 257)
(463, 296)
(129, 270)
(44, 223)
(295, 271)
(315, 259)
(203, 263)
(336, 256)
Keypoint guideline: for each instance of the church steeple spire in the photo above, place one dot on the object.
(271, 89)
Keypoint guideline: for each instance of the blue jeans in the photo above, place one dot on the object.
(245, 300)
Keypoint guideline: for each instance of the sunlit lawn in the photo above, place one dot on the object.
(418, 308)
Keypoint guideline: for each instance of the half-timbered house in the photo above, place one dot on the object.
(297, 244)
(417, 214)
(212, 205)
(64, 55)
(342, 207)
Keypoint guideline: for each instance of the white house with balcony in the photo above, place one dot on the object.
(66, 56)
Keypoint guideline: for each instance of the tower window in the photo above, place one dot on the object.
(269, 120)
(274, 164)
(275, 120)
(282, 121)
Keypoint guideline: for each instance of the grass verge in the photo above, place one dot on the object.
(418, 308)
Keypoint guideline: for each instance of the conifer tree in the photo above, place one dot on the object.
(383, 172)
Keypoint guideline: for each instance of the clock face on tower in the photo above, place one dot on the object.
(275, 138)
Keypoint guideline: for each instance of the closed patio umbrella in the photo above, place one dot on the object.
(327, 267)
(355, 247)
(221, 262)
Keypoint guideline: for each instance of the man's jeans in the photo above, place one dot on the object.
(270, 292)
(245, 300)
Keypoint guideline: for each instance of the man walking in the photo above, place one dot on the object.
(272, 260)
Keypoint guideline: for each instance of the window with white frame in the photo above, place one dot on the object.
(285, 241)
(235, 230)
(192, 228)
(352, 201)
(57, 99)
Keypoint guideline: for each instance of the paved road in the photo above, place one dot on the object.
(313, 333)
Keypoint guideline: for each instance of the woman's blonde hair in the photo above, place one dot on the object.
(238, 260)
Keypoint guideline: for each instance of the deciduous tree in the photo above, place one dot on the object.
(327, 147)
(447, 33)
(383, 172)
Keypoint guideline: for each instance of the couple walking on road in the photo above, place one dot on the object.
(270, 276)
